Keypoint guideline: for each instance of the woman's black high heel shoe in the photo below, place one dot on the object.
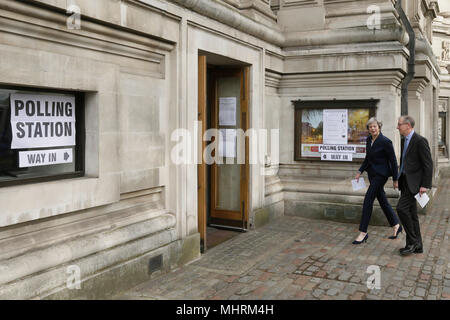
(363, 240)
(399, 230)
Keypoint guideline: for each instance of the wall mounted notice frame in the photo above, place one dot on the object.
(344, 129)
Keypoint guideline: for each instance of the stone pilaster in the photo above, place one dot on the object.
(416, 102)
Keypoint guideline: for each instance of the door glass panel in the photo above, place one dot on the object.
(228, 173)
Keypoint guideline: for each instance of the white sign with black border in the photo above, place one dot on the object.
(44, 157)
(40, 121)
(334, 148)
(336, 156)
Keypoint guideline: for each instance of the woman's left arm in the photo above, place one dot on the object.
(389, 149)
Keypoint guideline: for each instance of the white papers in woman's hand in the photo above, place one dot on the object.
(422, 200)
(358, 185)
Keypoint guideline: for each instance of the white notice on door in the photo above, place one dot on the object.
(227, 111)
(44, 157)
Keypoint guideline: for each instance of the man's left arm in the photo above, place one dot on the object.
(427, 163)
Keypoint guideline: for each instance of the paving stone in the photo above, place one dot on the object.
(355, 279)
(317, 293)
(332, 292)
(220, 285)
(325, 286)
(391, 289)
(350, 289)
(345, 276)
(420, 292)
(310, 286)
(357, 296)
(313, 269)
(271, 283)
(409, 283)
(433, 290)
(246, 279)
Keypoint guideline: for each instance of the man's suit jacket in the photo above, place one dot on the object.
(418, 167)
(380, 157)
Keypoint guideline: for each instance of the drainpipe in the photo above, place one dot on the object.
(411, 59)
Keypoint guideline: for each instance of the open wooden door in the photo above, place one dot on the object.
(229, 179)
(201, 168)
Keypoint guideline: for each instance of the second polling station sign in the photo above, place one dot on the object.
(40, 121)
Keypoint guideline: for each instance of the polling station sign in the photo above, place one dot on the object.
(347, 148)
(40, 121)
(44, 157)
(336, 156)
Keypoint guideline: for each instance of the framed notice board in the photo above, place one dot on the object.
(332, 130)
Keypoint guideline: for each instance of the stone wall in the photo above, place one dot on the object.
(120, 214)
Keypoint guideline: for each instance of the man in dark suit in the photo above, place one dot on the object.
(416, 171)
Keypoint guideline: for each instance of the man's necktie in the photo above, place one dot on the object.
(405, 147)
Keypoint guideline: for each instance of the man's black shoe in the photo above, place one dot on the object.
(408, 249)
(418, 250)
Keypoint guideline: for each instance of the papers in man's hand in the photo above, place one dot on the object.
(422, 200)
(358, 185)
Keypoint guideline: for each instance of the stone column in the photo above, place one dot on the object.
(416, 103)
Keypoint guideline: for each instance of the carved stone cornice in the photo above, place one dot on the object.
(441, 27)
(222, 13)
(423, 47)
(261, 6)
(272, 79)
(417, 85)
(297, 3)
(342, 79)
(21, 19)
(431, 7)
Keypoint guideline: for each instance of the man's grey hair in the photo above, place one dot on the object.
(374, 120)
(408, 119)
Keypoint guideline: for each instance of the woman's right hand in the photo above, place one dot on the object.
(357, 176)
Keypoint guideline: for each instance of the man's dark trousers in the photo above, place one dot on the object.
(407, 212)
(376, 190)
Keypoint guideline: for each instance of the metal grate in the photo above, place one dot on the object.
(155, 263)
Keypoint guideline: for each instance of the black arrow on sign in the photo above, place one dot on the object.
(66, 156)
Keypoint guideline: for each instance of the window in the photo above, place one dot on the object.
(41, 135)
(332, 130)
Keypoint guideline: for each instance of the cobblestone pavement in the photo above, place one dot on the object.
(297, 258)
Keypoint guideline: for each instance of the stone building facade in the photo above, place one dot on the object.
(441, 48)
(138, 71)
